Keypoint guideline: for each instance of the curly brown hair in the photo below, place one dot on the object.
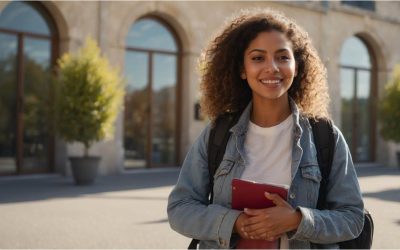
(223, 90)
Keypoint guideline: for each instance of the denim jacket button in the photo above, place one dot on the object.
(223, 243)
(292, 196)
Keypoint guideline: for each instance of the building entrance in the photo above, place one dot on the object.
(26, 59)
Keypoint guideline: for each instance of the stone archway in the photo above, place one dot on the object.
(29, 41)
(359, 94)
(180, 26)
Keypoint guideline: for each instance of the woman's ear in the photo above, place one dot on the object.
(295, 70)
(243, 75)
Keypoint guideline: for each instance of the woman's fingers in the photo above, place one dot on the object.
(254, 212)
(261, 226)
(276, 199)
(265, 236)
(262, 234)
(268, 223)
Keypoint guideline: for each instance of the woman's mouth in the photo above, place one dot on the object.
(271, 83)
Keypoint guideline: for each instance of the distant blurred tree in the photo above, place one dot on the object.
(89, 96)
(389, 108)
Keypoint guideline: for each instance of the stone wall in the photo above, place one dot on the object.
(109, 22)
(329, 25)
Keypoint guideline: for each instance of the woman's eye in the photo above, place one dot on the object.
(284, 58)
(257, 58)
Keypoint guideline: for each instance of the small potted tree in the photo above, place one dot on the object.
(89, 98)
(389, 110)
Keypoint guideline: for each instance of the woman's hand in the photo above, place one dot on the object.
(239, 225)
(269, 223)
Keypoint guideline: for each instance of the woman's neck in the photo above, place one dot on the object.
(269, 113)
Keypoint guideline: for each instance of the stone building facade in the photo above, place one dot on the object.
(192, 25)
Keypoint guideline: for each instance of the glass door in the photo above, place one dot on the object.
(150, 117)
(163, 110)
(356, 112)
(357, 93)
(27, 39)
(36, 104)
(150, 110)
(136, 112)
(8, 91)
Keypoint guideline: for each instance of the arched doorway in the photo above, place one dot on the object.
(151, 102)
(28, 41)
(358, 90)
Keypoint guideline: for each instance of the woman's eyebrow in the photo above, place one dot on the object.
(257, 50)
(282, 50)
(264, 51)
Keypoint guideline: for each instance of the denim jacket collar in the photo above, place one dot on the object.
(240, 128)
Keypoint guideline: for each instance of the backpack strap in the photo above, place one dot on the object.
(217, 142)
(325, 145)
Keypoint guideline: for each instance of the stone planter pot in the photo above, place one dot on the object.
(84, 169)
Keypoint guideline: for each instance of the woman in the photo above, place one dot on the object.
(265, 64)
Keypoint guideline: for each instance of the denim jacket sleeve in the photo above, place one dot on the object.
(344, 219)
(189, 211)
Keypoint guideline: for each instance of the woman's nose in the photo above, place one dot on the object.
(271, 66)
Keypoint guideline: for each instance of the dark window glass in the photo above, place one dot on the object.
(136, 115)
(164, 109)
(25, 74)
(347, 94)
(36, 102)
(364, 115)
(20, 16)
(151, 62)
(366, 5)
(8, 73)
(355, 94)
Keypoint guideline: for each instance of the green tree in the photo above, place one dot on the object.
(389, 109)
(89, 96)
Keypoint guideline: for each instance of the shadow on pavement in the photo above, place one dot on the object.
(388, 195)
(155, 222)
(376, 171)
(26, 189)
(128, 197)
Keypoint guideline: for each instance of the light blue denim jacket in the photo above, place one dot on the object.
(190, 214)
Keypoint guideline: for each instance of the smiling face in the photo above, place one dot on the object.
(269, 66)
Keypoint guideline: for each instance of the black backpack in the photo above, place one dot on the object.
(325, 144)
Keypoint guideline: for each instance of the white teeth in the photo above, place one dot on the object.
(271, 81)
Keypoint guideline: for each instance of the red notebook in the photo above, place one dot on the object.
(248, 194)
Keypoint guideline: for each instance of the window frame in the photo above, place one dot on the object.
(54, 54)
(373, 97)
(150, 53)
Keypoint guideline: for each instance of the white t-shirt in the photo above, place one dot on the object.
(269, 155)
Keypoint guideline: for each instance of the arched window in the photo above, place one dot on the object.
(356, 72)
(150, 116)
(27, 39)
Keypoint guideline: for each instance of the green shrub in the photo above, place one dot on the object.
(89, 96)
(389, 108)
